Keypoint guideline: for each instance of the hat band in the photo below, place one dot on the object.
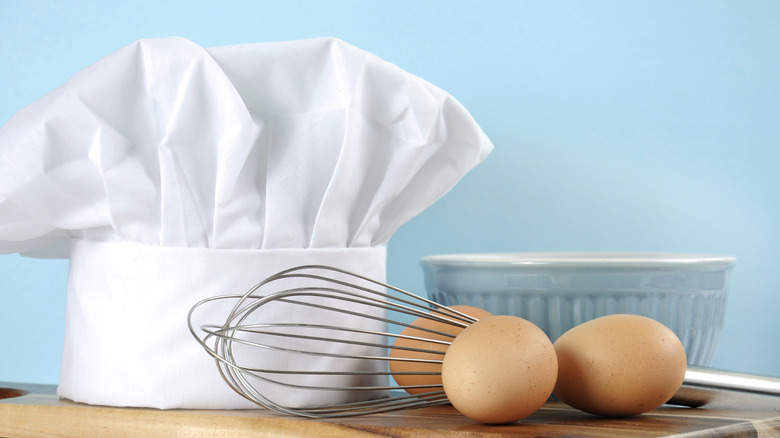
(127, 341)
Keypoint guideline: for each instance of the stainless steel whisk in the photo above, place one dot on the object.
(284, 338)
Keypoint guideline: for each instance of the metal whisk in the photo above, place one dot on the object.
(313, 341)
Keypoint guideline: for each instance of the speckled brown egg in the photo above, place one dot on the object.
(426, 382)
(619, 365)
(499, 370)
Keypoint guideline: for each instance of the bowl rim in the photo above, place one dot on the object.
(580, 259)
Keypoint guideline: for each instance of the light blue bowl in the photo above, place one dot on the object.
(557, 291)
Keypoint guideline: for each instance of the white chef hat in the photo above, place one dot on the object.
(169, 173)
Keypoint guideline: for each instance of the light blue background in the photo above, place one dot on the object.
(618, 125)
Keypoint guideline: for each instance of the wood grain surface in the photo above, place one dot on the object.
(45, 415)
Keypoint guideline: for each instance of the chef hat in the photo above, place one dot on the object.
(169, 173)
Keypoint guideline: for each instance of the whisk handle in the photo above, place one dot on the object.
(724, 389)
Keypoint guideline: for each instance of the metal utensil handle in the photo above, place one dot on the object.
(717, 388)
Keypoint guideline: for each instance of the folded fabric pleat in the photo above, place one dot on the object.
(304, 144)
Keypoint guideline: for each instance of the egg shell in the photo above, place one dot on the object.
(499, 370)
(619, 365)
(428, 382)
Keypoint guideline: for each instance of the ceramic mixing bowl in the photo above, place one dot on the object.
(557, 291)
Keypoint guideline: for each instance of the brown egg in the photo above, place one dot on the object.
(500, 369)
(397, 367)
(619, 365)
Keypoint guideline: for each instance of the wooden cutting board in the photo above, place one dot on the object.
(42, 414)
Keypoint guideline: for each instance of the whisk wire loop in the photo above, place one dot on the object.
(313, 341)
